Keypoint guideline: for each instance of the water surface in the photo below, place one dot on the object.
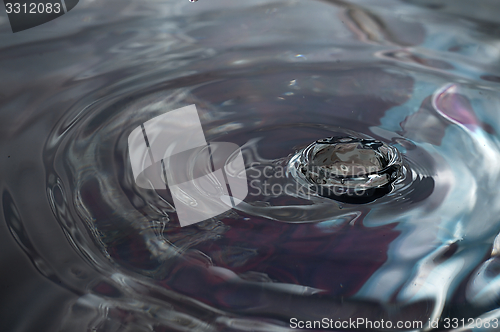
(272, 77)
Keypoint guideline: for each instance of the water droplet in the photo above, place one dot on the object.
(348, 169)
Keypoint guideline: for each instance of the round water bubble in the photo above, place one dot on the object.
(349, 169)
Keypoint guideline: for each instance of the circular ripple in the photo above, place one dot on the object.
(91, 182)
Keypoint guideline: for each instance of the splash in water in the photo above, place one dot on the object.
(349, 169)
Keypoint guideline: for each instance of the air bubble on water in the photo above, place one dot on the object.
(348, 169)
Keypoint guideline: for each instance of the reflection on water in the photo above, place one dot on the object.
(420, 79)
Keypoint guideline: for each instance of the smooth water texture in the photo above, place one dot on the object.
(414, 84)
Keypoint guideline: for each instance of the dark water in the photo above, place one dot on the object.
(272, 77)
